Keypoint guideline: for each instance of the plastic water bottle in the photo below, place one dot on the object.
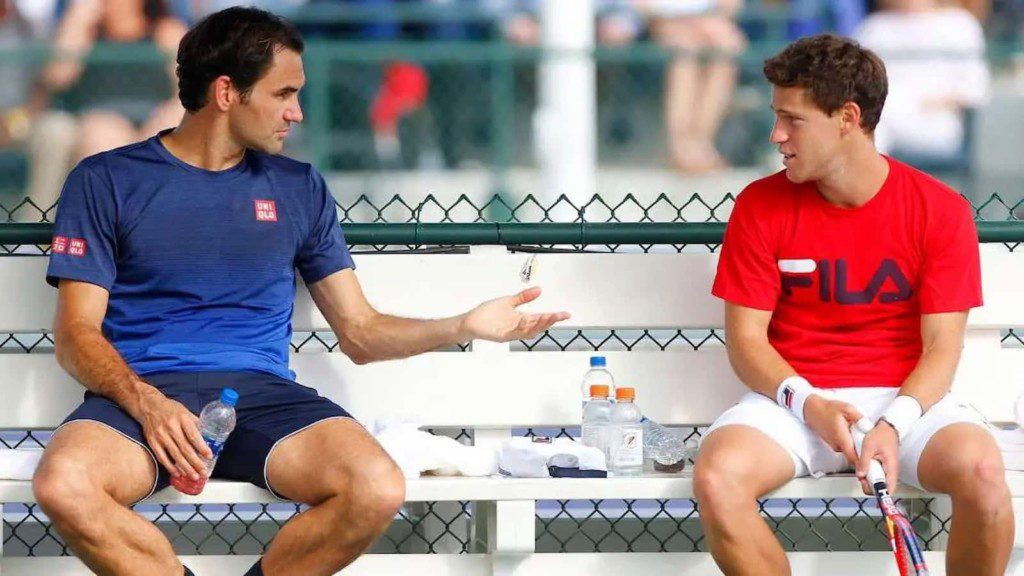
(598, 374)
(596, 419)
(664, 447)
(626, 444)
(215, 423)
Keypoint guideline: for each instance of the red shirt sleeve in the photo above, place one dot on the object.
(951, 275)
(748, 272)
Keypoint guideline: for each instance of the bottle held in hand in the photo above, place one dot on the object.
(215, 424)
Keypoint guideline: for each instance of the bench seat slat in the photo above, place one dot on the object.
(446, 489)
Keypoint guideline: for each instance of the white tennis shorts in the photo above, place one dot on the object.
(812, 457)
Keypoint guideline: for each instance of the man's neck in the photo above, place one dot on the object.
(855, 181)
(201, 142)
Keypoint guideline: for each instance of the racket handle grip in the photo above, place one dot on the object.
(875, 472)
(859, 430)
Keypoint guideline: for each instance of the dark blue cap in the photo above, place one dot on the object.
(597, 362)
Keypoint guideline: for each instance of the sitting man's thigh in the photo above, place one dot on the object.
(292, 441)
(950, 440)
(957, 457)
(767, 437)
(85, 450)
(742, 458)
(318, 462)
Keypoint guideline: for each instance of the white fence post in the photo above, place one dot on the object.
(565, 123)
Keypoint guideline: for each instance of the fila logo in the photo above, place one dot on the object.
(77, 247)
(59, 244)
(266, 211)
(833, 283)
(787, 396)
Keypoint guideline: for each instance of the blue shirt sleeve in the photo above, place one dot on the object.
(85, 239)
(325, 251)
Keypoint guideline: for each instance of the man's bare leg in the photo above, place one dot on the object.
(738, 464)
(88, 477)
(964, 461)
(354, 489)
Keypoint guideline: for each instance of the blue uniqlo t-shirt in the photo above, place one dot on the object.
(200, 265)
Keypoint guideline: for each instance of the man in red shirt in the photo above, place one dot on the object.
(847, 279)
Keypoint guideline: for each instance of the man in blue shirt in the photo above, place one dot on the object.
(175, 262)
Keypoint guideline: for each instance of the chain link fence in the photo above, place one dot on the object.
(562, 526)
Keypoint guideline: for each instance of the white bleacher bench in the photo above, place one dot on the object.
(472, 390)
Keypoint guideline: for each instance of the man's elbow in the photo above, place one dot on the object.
(62, 346)
(741, 344)
(358, 358)
(356, 337)
(356, 351)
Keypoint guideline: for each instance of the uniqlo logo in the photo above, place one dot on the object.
(77, 247)
(59, 244)
(266, 211)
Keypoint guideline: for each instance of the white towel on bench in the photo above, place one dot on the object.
(19, 464)
(417, 452)
(528, 457)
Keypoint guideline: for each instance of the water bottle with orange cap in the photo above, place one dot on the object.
(626, 443)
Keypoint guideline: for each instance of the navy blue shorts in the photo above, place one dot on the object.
(269, 410)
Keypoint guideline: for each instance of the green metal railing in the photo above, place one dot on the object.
(505, 234)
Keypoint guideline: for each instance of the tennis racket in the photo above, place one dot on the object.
(902, 538)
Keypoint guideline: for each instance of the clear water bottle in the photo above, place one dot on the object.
(626, 444)
(596, 419)
(215, 423)
(664, 447)
(598, 374)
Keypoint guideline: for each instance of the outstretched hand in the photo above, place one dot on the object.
(499, 320)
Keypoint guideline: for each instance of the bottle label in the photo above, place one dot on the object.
(593, 436)
(630, 449)
(215, 445)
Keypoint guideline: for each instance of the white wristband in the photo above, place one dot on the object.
(794, 392)
(902, 414)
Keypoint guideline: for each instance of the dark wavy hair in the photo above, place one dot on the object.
(236, 42)
(834, 70)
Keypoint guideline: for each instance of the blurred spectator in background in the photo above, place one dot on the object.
(27, 128)
(417, 112)
(15, 76)
(118, 102)
(618, 23)
(699, 83)
(403, 91)
(935, 57)
(810, 17)
(202, 8)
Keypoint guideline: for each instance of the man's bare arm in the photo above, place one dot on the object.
(942, 339)
(366, 335)
(760, 366)
(752, 356)
(171, 430)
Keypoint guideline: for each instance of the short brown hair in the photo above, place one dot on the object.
(834, 70)
(236, 42)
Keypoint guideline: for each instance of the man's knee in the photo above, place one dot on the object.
(375, 492)
(64, 491)
(718, 482)
(386, 489)
(980, 482)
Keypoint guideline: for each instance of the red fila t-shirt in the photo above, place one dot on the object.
(847, 287)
